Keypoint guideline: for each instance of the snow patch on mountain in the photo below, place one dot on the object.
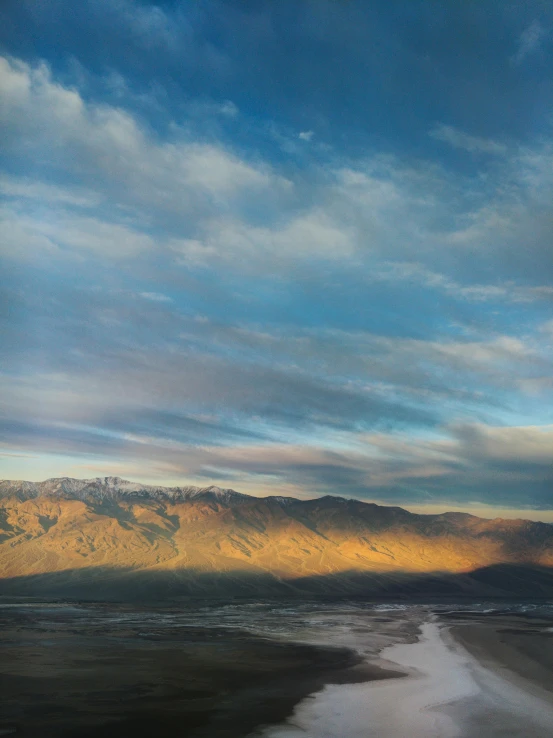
(114, 488)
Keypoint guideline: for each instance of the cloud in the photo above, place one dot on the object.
(28, 189)
(306, 135)
(311, 234)
(229, 109)
(508, 291)
(317, 410)
(203, 203)
(21, 239)
(470, 464)
(284, 398)
(53, 124)
(476, 463)
(179, 303)
(26, 236)
(460, 140)
(129, 350)
(529, 41)
(155, 297)
(495, 465)
(511, 446)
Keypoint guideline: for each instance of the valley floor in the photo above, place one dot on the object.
(275, 669)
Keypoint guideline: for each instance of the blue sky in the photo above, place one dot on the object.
(292, 248)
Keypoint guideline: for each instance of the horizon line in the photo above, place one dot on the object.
(432, 508)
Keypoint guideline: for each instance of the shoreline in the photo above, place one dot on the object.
(448, 693)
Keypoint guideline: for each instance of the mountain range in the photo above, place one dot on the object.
(109, 538)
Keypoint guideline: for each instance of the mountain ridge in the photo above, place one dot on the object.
(71, 532)
(120, 488)
(108, 486)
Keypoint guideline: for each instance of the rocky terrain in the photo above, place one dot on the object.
(109, 538)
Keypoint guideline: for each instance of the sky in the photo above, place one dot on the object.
(296, 248)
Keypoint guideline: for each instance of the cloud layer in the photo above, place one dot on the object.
(196, 288)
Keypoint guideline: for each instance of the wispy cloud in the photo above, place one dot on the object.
(108, 142)
(461, 140)
(155, 297)
(529, 41)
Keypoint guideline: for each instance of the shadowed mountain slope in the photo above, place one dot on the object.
(105, 536)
